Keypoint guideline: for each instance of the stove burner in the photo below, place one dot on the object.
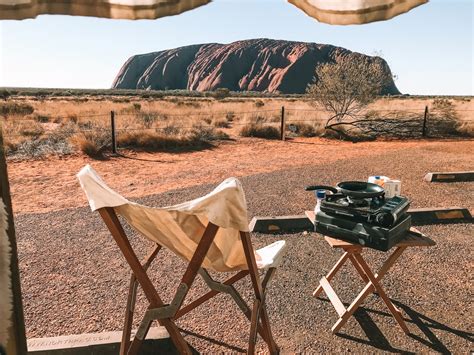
(356, 202)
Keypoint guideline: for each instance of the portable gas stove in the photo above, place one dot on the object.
(358, 212)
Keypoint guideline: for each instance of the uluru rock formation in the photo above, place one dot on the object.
(264, 65)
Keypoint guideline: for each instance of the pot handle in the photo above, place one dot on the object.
(321, 187)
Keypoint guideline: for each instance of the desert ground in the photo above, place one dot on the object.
(74, 279)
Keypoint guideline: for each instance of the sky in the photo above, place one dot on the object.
(430, 48)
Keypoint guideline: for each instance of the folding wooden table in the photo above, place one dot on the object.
(353, 253)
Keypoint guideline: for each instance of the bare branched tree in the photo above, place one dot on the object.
(346, 87)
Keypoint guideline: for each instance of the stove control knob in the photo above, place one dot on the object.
(384, 219)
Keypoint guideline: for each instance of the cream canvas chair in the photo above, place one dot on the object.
(210, 233)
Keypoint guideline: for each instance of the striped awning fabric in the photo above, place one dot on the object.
(336, 12)
(351, 12)
(116, 9)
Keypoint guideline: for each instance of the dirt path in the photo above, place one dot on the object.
(50, 184)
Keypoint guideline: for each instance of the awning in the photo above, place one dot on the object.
(351, 12)
(116, 9)
(336, 12)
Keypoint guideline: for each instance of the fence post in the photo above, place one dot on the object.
(283, 123)
(423, 133)
(112, 126)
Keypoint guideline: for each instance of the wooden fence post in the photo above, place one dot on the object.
(423, 132)
(283, 123)
(112, 126)
(17, 338)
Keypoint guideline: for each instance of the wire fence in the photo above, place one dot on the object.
(409, 122)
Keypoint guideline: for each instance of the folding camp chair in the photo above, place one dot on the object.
(211, 233)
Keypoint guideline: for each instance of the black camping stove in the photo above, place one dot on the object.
(358, 212)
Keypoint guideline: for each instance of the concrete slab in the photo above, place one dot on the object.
(424, 216)
(280, 224)
(157, 342)
(458, 176)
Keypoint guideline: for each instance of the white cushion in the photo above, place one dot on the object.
(271, 255)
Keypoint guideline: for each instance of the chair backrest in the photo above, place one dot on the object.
(180, 227)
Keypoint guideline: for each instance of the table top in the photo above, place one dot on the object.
(414, 238)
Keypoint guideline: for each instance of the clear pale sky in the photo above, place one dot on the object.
(430, 48)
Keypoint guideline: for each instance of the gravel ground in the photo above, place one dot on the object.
(74, 280)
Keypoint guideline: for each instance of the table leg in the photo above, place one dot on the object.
(333, 272)
(374, 281)
(359, 269)
(369, 288)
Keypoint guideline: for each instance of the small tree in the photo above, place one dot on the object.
(346, 87)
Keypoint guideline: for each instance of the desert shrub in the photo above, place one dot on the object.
(30, 129)
(41, 118)
(14, 108)
(148, 119)
(441, 103)
(120, 100)
(171, 129)
(221, 93)
(466, 129)
(86, 124)
(258, 119)
(259, 103)
(221, 123)
(208, 120)
(305, 129)
(230, 116)
(443, 119)
(72, 117)
(92, 143)
(259, 130)
(137, 106)
(207, 133)
(345, 88)
(53, 142)
(149, 140)
(4, 94)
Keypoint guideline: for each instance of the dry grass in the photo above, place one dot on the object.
(260, 130)
(92, 143)
(197, 138)
(306, 129)
(36, 122)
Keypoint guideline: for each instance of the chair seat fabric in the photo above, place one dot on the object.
(271, 255)
(180, 227)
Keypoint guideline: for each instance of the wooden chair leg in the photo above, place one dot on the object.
(258, 288)
(253, 327)
(130, 309)
(272, 346)
(127, 327)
